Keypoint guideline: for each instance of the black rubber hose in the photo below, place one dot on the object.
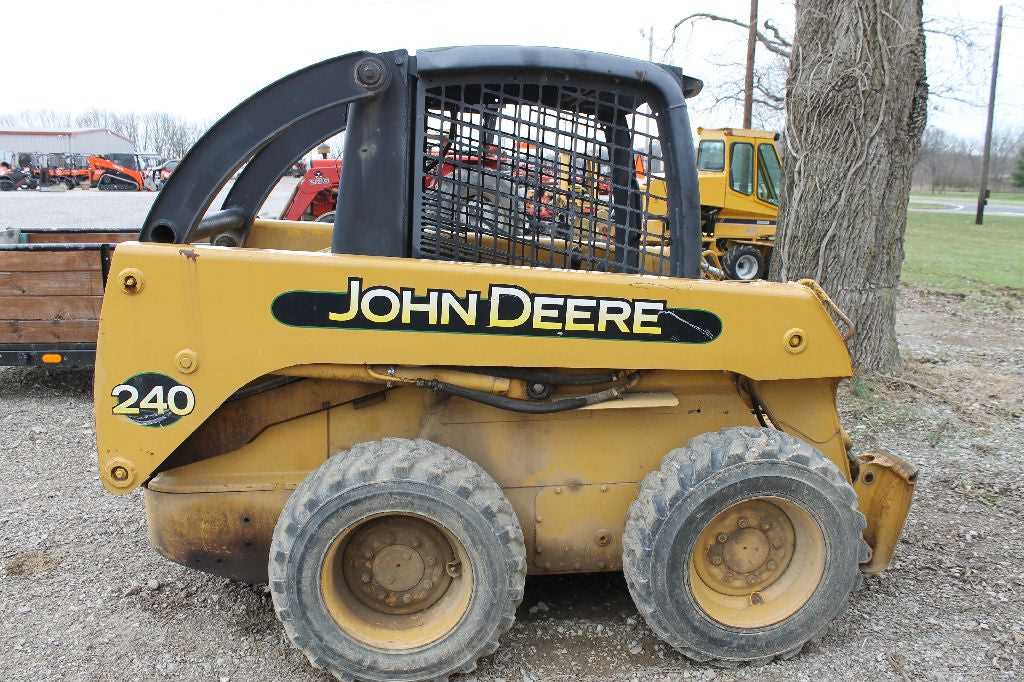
(546, 376)
(530, 406)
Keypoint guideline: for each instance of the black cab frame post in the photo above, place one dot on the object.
(254, 184)
(252, 125)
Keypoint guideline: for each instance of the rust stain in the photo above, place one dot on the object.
(191, 254)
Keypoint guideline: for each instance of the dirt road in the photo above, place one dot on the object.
(83, 597)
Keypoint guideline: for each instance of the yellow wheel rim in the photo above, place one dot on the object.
(757, 563)
(396, 581)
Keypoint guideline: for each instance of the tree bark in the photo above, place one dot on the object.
(856, 106)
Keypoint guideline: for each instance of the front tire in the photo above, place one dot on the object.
(743, 546)
(745, 263)
(397, 560)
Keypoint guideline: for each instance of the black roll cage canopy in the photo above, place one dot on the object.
(370, 97)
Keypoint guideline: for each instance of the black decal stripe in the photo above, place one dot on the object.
(677, 325)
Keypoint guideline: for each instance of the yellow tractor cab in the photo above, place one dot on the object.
(740, 177)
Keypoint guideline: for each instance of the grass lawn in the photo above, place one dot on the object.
(965, 195)
(949, 252)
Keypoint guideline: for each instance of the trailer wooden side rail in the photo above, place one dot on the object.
(51, 287)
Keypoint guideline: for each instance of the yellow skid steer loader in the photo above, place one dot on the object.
(395, 418)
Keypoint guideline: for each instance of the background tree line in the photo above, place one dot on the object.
(158, 132)
(947, 161)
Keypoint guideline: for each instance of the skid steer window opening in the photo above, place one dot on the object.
(741, 167)
(543, 175)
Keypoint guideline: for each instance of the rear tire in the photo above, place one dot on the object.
(355, 558)
(743, 546)
(745, 262)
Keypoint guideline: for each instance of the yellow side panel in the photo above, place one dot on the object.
(399, 413)
(581, 446)
(201, 317)
(280, 458)
(579, 528)
(293, 235)
(807, 409)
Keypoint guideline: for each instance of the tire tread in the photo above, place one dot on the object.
(399, 459)
(681, 470)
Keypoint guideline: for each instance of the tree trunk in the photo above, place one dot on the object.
(855, 109)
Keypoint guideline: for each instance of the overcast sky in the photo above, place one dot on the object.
(199, 59)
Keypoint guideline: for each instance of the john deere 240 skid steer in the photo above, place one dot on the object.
(395, 418)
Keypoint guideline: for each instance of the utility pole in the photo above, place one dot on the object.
(650, 58)
(748, 89)
(983, 191)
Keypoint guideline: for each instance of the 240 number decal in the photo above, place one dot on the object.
(153, 399)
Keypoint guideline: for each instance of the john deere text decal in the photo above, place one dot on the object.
(506, 309)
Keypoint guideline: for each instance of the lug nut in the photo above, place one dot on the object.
(365, 577)
(716, 560)
(742, 523)
(723, 538)
(751, 579)
(756, 598)
(771, 565)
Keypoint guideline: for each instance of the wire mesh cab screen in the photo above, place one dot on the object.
(565, 175)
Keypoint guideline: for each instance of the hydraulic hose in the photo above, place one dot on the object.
(548, 377)
(530, 406)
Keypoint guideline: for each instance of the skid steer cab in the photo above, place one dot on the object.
(487, 367)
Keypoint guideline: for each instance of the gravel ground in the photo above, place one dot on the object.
(83, 597)
(93, 208)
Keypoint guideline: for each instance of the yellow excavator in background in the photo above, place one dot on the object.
(740, 177)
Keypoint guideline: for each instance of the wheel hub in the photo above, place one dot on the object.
(746, 267)
(398, 565)
(746, 548)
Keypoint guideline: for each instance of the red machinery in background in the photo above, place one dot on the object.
(316, 195)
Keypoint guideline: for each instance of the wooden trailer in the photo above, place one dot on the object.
(51, 286)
